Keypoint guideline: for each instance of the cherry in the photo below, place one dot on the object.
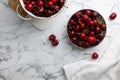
(54, 1)
(100, 36)
(55, 42)
(29, 6)
(52, 37)
(80, 43)
(86, 45)
(90, 23)
(33, 2)
(95, 22)
(88, 12)
(91, 39)
(83, 36)
(48, 13)
(102, 26)
(40, 10)
(61, 2)
(39, 3)
(74, 39)
(49, 4)
(82, 26)
(113, 16)
(85, 17)
(97, 29)
(94, 14)
(95, 55)
(57, 8)
(76, 28)
(92, 33)
(71, 33)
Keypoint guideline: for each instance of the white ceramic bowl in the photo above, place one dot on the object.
(38, 17)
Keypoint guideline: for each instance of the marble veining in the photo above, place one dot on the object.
(27, 54)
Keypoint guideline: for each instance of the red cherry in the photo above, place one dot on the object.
(49, 4)
(71, 33)
(39, 3)
(88, 12)
(102, 26)
(33, 2)
(74, 39)
(72, 22)
(86, 45)
(91, 39)
(92, 33)
(57, 8)
(29, 6)
(54, 1)
(82, 26)
(113, 16)
(83, 36)
(100, 36)
(94, 14)
(85, 17)
(97, 29)
(90, 23)
(95, 55)
(40, 10)
(95, 22)
(48, 13)
(55, 42)
(61, 2)
(52, 37)
(76, 28)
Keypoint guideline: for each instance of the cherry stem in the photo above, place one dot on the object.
(45, 3)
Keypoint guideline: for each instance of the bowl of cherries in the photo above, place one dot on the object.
(43, 9)
(86, 28)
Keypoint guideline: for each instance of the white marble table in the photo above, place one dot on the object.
(27, 54)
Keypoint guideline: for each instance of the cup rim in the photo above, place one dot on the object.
(34, 16)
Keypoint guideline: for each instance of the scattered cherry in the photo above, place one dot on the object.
(55, 42)
(52, 37)
(95, 55)
(113, 16)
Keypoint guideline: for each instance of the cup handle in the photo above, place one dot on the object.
(20, 15)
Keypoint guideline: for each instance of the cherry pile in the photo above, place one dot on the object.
(86, 28)
(44, 8)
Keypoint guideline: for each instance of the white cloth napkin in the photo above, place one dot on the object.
(107, 68)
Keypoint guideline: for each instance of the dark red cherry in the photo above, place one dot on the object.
(113, 16)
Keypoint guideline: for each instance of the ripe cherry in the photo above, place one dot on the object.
(97, 29)
(74, 39)
(57, 8)
(52, 37)
(88, 12)
(91, 39)
(71, 33)
(83, 36)
(49, 4)
(55, 42)
(102, 26)
(76, 28)
(92, 33)
(95, 55)
(40, 3)
(29, 6)
(113, 16)
(54, 1)
(85, 17)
